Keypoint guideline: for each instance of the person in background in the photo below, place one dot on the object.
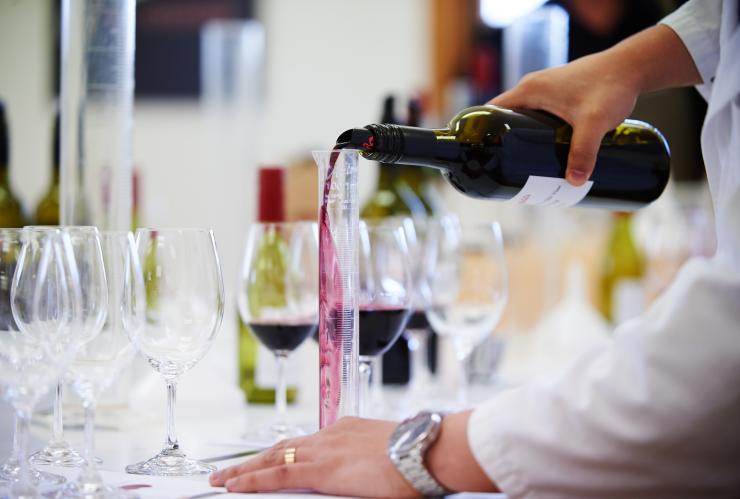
(655, 412)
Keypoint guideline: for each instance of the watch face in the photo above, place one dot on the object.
(412, 431)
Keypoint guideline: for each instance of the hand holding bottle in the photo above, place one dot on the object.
(596, 93)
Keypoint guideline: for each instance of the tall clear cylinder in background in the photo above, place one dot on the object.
(338, 285)
(97, 85)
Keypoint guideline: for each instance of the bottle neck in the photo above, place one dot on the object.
(396, 144)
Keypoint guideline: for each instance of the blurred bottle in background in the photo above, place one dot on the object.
(623, 273)
(11, 212)
(135, 199)
(404, 191)
(387, 200)
(257, 378)
(47, 211)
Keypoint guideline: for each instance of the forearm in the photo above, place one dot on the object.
(450, 460)
(654, 59)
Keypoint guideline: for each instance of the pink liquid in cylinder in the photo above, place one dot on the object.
(332, 312)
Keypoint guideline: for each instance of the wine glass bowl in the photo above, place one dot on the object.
(469, 287)
(183, 309)
(385, 293)
(100, 359)
(83, 244)
(278, 299)
(39, 288)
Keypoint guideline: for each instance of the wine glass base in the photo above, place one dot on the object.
(58, 454)
(78, 490)
(11, 472)
(273, 434)
(170, 462)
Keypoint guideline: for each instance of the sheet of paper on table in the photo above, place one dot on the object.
(159, 487)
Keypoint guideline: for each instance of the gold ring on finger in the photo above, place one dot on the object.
(289, 456)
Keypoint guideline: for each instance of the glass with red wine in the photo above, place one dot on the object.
(385, 294)
(278, 299)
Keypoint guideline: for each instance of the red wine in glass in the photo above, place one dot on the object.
(380, 328)
(283, 336)
(418, 320)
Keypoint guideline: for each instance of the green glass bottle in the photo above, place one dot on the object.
(47, 211)
(415, 185)
(11, 211)
(391, 197)
(494, 153)
(622, 276)
(272, 254)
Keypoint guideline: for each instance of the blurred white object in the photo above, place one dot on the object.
(536, 41)
(501, 13)
(678, 226)
(233, 64)
(97, 89)
(570, 328)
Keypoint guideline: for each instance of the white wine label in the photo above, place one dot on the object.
(551, 191)
(628, 299)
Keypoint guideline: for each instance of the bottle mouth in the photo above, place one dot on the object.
(383, 143)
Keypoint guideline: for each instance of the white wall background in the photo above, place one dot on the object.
(328, 65)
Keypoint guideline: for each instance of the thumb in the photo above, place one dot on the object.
(584, 147)
(512, 99)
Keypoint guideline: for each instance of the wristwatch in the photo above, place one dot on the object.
(407, 445)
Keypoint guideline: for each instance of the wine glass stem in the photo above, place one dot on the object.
(89, 433)
(419, 374)
(24, 486)
(171, 433)
(366, 369)
(281, 394)
(462, 390)
(57, 425)
(89, 475)
(16, 439)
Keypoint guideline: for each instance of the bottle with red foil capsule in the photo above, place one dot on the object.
(255, 360)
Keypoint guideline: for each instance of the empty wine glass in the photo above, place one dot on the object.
(184, 309)
(469, 287)
(85, 244)
(10, 246)
(278, 299)
(417, 331)
(38, 344)
(117, 294)
(386, 292)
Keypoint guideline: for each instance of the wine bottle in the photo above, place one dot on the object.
(389, 199)
(47, 211)
(491, 152)
(11, 212)
(415, 187)
(254, 358)
(386, 200)
(622, 275)
(412, 180)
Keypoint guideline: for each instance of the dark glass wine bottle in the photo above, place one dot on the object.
(387, 200)
(11, 211)
(272, 253)
(412, 180)
(490, 152)
(47, 211)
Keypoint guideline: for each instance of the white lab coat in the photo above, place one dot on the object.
(655, 413)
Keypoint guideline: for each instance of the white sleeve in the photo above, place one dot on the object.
(654, 414)
(697, 23)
